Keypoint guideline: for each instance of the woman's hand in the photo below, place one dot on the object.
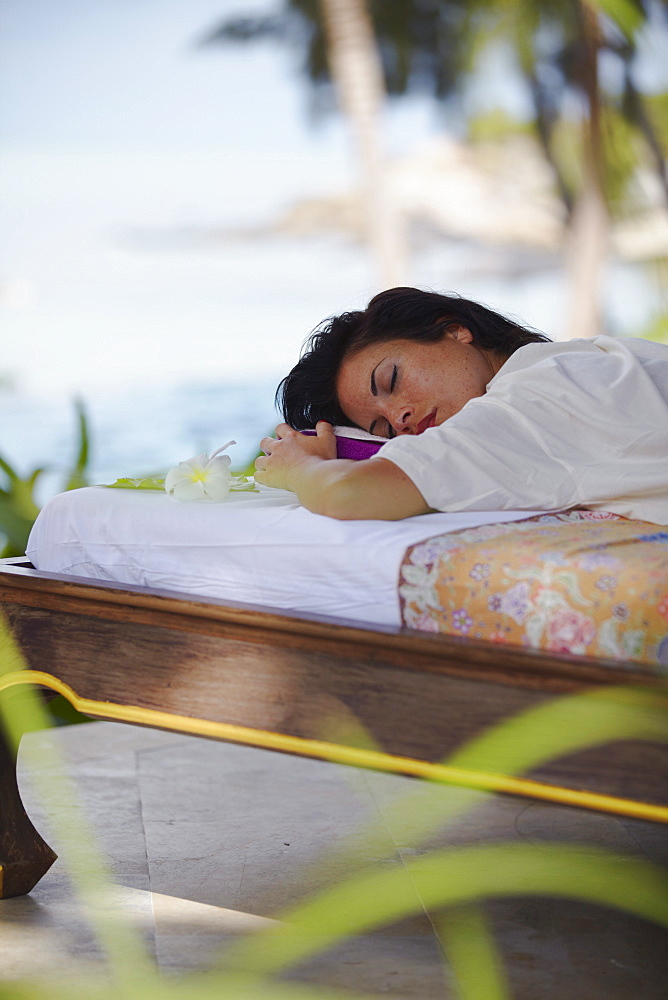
(374, 488)
(290, 450)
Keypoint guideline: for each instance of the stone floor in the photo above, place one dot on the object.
(207, 841)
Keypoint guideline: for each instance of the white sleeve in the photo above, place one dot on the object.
(487, 457)
(568, 424)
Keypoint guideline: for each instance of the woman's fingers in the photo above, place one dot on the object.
(324, 429)
(269, 443)
(289, 450)
(266, 444)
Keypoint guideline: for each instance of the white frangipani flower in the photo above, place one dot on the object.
(201, 477)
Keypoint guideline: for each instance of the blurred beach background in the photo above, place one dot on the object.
(179, 208)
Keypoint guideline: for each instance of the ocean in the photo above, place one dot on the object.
(135, 433)
(182, 367)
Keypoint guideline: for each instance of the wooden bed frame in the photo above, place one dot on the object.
(250, 674)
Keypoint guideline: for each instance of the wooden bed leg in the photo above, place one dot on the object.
(24, 856)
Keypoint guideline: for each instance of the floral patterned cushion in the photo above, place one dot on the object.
(578, 582)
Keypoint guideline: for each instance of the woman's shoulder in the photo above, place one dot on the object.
(561, 355)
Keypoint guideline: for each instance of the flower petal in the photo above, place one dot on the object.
(217, 487)
(187, 489)
(173, 476)
(218, 466)
(197, 461)
(201, 477)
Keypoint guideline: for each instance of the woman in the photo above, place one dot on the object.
(483, 415)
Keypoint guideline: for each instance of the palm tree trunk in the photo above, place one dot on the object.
(358, 76)
(587, 250)
(588, 244)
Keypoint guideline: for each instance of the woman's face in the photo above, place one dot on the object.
(404, 386)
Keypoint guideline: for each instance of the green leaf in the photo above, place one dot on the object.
(11, 474)
(77, 476)
(18, 509)
(148, 483)
(33, 477)
(625, 14)
(14, 990)
(472, 954)
(452, 877)
(14, 526)
(557, 728)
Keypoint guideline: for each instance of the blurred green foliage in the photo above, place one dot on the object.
(657, 109)
(453, 881)
(657, 330)
(437, 46)
(495, 125)
(18, 508)
(249, 470)
(622, 150)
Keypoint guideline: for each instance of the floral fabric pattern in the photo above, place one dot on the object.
(581, 582)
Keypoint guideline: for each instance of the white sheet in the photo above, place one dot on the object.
(260, 548)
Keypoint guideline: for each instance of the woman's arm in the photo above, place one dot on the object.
(339, 488)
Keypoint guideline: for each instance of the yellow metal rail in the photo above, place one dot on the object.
(340, 754)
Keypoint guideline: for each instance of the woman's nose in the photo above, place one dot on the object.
(401, 419)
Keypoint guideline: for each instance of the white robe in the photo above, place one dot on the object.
(582, 423)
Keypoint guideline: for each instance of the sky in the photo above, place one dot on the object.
(114, 123)
(119, 139)
(129, 75)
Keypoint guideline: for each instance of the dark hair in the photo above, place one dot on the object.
(308, 393)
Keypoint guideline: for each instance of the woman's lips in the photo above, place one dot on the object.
(428, 421)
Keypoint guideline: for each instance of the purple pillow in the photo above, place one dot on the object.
(355, 444)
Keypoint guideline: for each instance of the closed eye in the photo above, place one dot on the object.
(389, 433)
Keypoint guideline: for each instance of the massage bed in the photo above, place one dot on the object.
(379, 644)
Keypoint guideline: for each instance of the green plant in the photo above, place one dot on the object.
(18, 508)
(454, 880)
